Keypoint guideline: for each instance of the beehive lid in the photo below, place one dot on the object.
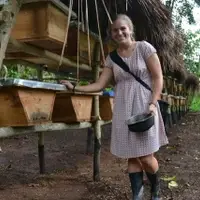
(31, 84)
(57, 3)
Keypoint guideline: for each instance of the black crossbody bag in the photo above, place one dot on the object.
(119, 61)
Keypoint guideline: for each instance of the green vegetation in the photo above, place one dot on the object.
(19, 71)
(192, 52)
(195, 105)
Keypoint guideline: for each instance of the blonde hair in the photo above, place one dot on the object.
(126, 19)
(128, 22)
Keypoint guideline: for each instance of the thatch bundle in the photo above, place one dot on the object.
(192, 83)
(152, 22)
(178, 43)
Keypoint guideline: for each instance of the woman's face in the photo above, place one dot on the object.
(121, 32)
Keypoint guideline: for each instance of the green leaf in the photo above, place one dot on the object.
(167, 179)
(172, 184)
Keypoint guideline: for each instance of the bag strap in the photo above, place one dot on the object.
(119, 61)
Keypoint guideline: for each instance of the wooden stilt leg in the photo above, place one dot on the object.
(41, 152)
(41, 135)
(97, 126)
(97, 151)
(89, 141)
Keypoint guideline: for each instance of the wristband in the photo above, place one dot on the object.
(152, 104)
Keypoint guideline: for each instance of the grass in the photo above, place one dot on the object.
(195, 105)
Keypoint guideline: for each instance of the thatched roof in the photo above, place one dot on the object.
(192, 82)
(153, 23)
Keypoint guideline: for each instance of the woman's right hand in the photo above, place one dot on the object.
(67, 84)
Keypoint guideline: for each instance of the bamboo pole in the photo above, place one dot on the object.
(41, 135)
(8, 17)
(46, 54)
(97, 125)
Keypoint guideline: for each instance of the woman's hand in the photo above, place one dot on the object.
(67, 84)
(152, 108)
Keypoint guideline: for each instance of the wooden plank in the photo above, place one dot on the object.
(106, 107)
(11, 109)
(37, 104)
(25, 107)
(56, 3)
(46, 54)
(48, 33)
(47, 127)
(56, 30)
(71, 50)
(70, 108)
(29, 25)
(82, 93)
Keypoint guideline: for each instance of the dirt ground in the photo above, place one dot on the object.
(69, 169)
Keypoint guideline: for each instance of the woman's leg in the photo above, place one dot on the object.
(134, 165)
(150, 165)
(136, 178)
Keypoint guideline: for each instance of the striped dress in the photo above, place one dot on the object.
(131, 98)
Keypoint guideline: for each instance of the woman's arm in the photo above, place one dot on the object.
(154, 66)
(99, 85)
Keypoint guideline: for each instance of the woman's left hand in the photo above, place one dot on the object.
(152, 108)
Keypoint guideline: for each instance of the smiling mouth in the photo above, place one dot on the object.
(121, 38)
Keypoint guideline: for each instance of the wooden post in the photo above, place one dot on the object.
(97, 126)
(41, 135)
(8, 17)
(41, 152)
(169, 100)
(89, 141)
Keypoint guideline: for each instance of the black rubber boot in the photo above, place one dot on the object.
(155, 185)
(136, 180)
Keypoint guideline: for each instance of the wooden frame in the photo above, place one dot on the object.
(106, 107)
(71, 108)
(25, 106)
(48, 33)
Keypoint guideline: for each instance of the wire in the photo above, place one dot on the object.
(100, 38)
(107, 11)
(78, 41)
(66, 34)
(88, 32)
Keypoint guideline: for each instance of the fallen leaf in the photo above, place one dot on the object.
(172, 184)
(173, 178)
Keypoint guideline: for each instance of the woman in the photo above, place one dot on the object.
(133, 98)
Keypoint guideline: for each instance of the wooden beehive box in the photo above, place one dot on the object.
(71, 50)
(25, 106)
(109, 47)
(43, 24)
(106, 107)
(72, 108)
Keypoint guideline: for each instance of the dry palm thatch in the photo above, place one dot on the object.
(179, 71)
(192, 83)
(180, 75)
(152, 21)
(178, 43)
